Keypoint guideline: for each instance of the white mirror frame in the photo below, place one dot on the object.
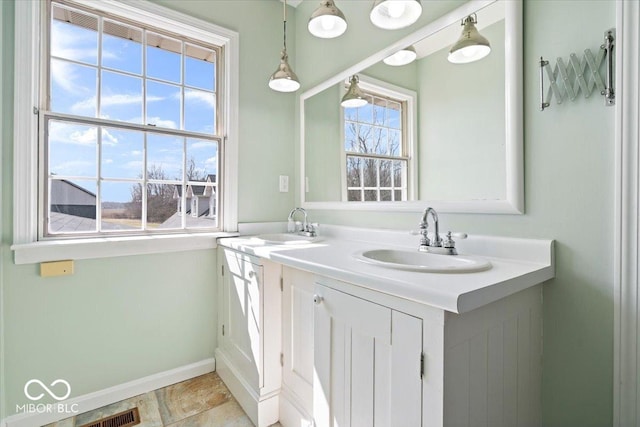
(514, 152)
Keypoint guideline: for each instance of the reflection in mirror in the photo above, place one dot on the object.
(432, 132)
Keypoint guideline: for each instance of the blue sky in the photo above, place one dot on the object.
(75, 90)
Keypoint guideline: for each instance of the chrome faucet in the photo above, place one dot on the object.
(425, 242)
(436, 245)
(308, 229)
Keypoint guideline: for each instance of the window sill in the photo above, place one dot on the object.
(107, 247)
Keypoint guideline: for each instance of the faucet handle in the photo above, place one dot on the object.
(448, 241)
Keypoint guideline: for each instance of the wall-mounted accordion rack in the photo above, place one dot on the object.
(567, 80)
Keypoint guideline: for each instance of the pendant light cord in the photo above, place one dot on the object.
(284, 21)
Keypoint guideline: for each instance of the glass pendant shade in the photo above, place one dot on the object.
(284, 79)
(327, 21)
(471, 46)
(395, 14)
(354, 97)
(402, 57)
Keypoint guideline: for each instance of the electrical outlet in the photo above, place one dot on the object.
(284, 184)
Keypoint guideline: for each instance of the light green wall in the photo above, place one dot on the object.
(462, 125)
(120, 319)
(569, 197)
(322, 145)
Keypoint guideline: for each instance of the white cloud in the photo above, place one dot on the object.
(107, 138)
(107, 161)
(199, 96)
(65, 75)
(79, 135)
(84, 137)
(112, 100)
(211, 161)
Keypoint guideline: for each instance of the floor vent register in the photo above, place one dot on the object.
(127, 418)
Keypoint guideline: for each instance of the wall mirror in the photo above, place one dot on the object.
(433, 133)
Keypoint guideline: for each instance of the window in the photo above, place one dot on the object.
(377, 146)
(131, 130)
(126, 120)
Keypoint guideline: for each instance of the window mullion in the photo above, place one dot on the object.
(144, 76)
(143, 190)
(99, 71)
(99, 178)
(184, 182)
(99, 130)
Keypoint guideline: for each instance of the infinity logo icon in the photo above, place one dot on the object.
(52, 394)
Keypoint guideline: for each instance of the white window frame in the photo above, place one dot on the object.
(409, 131)
(27, 84)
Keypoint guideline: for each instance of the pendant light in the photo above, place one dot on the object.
(327, 21)
(354, 97)
(395, 14)
(471, 46)
(402, 57)
(284, 79)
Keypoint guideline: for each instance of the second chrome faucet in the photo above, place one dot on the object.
(308, 229)
(436, 244)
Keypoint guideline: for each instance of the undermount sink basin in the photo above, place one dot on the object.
(286, 239)
(424, 261)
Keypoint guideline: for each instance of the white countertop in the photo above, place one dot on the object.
(516, 265)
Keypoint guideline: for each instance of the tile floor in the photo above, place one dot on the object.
(199, 402)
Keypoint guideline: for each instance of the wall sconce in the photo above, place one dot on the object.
(354, 97)
(327, 21)
(402, 57)
(284, 79)
(471, 46)
(395, 14)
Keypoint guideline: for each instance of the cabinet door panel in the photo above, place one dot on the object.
(241, 338)
(353, 356)
(297, 335)
(406, 380)
(302, 333)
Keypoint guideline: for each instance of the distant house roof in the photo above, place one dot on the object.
(197, 190)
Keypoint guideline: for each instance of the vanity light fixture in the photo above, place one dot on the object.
(284, 79)
(471, 46)
(402, 57)
(395, 14)
(327, 21)
(354, 97)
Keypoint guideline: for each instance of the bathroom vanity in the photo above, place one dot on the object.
(310, 334)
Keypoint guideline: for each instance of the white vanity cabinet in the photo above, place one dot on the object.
(357, 357)
(311, 337)
(249, 334)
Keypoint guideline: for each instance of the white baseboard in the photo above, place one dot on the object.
(98, 399)
(262, 410)
(292, 412)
